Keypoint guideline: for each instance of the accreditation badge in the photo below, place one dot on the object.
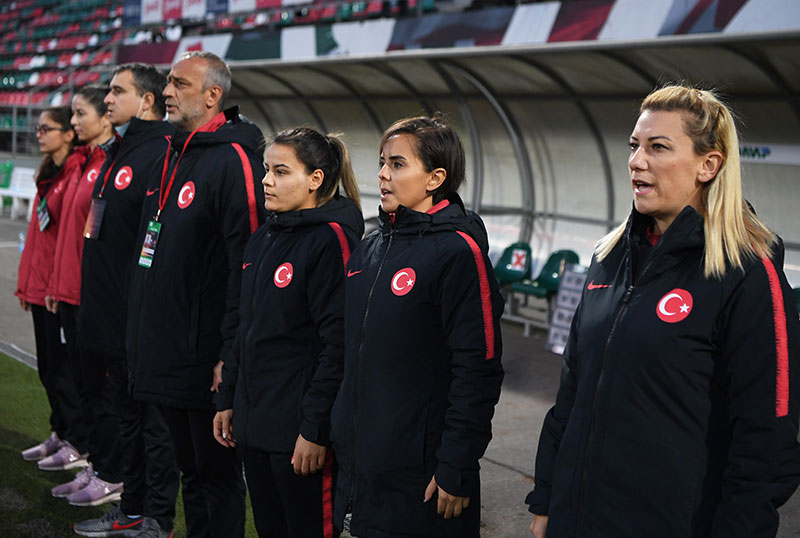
(43, 214)
(95, 217)
(150, 242)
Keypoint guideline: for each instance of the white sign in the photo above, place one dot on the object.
(241, 6)
(151, 11)
(769, 154)
(217, 44)
(194, 9)
(569, 295)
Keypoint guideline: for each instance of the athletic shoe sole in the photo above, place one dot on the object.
(67, 466)
(112, 497)
(102, 534)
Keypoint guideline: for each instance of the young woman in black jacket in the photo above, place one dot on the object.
(422, 349)
(280, 381)
(678, 406)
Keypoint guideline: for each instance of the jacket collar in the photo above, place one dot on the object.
(683, 239)
(340, 209)
(406, 220)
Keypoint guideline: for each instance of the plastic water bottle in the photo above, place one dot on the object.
(21, 241)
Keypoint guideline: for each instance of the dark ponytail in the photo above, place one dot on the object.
(48, 169)
(327, 153)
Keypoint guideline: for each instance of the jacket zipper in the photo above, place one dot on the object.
(245, 344)
(358, 361)
(623, 308)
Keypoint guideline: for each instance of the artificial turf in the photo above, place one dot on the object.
(27, 510)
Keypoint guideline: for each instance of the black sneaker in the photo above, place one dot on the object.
(113, 523)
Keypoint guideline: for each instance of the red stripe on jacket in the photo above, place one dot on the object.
(486, 303)
(327, 496)
(343, 244)
(248, 183)
(781, 341)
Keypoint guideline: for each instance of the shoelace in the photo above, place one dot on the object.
(113, 514)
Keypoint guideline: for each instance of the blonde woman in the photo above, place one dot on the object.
(677, 411)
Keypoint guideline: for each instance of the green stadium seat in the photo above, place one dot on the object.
(514, 264)
(545, 286)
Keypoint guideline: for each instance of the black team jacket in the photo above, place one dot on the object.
(287, 360)
(422, 373)
(108, 259)
(678, 406)
(183, 310)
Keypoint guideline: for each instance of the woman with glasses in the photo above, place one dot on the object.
(94, 130)
(59, 165)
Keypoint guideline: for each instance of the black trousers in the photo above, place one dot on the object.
(99, 422)
(57, 375)
(213, 486)
(286, 505)
(147, 463)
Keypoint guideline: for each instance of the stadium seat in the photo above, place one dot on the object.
(514, 264)
(543, 289)
(545, 286)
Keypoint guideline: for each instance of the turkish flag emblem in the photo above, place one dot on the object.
(92, 175)
(283, 275)
(518, 259)
(403, 280)
(186, 196)
(675, 306)
(123, 178)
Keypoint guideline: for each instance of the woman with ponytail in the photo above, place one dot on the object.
(56, 137)
(677, 413)
(282, 376)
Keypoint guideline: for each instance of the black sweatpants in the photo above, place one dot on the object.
(213, 486)
(57, 375)
(146, 456)
(287, 505)
(99, 421)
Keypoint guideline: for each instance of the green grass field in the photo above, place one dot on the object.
(27, 510)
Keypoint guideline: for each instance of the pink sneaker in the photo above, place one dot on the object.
(43, 449)
(96, 492)
(79, 482)
(66, 458)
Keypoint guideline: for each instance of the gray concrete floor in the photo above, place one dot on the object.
(529, 389)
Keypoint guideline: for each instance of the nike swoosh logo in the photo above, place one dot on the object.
(118, 527)
(246, 265)
(593, 286)
(353, 273)
(151, 193)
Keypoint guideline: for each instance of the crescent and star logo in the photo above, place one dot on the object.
(675, 306)
(92, 175)
(186, 195)
(403, 280)
(123, 178)
(283, 275)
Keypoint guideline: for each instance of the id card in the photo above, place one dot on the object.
(43, 214)
(150, 242)
(95, 217)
